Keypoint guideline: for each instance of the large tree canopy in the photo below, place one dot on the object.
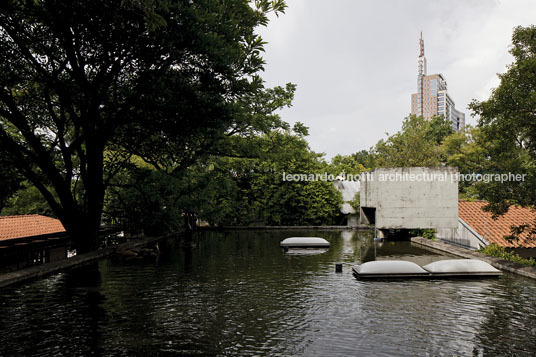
(417, 144)
(508, 122)
(232, 190)
(86, 84)
(507, 125)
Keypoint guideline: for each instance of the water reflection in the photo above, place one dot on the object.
(239, 293)
(306, 251)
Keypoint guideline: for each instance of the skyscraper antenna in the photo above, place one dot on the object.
(421, 43)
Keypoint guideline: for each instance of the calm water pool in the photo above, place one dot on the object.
(237, 293)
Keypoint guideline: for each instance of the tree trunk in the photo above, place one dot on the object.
(83, 230)
(82, 220)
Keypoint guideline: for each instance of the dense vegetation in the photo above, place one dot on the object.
(88, 86)
(150, 111)
(155, 111)
(230, 190)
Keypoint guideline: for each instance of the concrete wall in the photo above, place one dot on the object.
(411, 197)
(463, 235)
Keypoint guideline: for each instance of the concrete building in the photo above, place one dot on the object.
(410, 198)
(432, 98)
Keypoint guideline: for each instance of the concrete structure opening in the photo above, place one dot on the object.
(368, 215)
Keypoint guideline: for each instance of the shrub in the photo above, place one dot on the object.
(425, 233)
(495, 250)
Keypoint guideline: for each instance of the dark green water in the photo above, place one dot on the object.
(237, 293)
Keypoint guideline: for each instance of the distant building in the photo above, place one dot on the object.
(348, 190)
(477, 228)
(432, 98)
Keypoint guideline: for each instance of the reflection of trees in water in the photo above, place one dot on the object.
(62, 314)
(391, 250)
(83, 288)
(431, 317)
(508, 327)
(239, 293)
(244, 302)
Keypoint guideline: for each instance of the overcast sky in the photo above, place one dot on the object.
(355, 61)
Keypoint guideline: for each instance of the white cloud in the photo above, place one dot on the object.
(355, 62)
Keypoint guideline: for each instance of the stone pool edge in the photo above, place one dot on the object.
(361, 227)
(505, 265)
(39, 271)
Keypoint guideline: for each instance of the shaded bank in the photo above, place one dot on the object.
(39, 271)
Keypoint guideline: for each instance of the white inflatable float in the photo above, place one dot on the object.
(304, 242)
(464, 267)
(387, 269)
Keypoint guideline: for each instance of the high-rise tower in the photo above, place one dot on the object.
(432, 98)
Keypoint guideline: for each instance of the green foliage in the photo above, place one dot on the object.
(347, 165)
(365, 158)
(495, 250)
(166, 81)
(234, 190)
(356, 202)
(241, 191)
(27, 200)
(11, 182)
(506, 122)
(417, 144)
(466, 150)
(148, 200)
(425, 233)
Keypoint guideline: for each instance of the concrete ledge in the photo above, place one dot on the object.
(38, 271)
(253, 228)
(505, 265)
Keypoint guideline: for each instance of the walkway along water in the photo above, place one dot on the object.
(42, 270)
(505, 265)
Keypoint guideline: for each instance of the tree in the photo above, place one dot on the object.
(11, 182)
(145, 199)
(280, 201)
(233, 190)
(508, 120)
(347, 165)
(365, 158)
(417, 144)
(27, 200)
(466, 150)
(158, 79)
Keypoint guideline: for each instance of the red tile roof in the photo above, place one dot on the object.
(12, 227)
(494, 230)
